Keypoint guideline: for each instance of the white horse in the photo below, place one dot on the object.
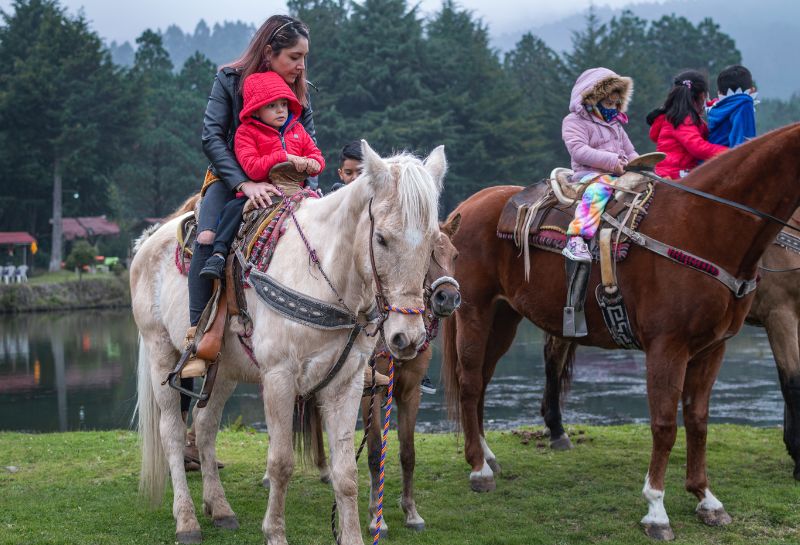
(403, 192)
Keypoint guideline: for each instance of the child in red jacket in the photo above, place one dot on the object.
(679, 131)
(270, 133)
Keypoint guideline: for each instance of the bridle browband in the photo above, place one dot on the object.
(721, 200)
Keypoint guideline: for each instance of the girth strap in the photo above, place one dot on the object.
(739, 287)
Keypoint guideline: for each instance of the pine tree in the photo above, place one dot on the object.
(167, 163)
(63, 100)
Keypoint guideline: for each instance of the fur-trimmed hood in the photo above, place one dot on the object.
(597, 83)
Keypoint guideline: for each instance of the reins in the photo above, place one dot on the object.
(721, 200)
(384, 308)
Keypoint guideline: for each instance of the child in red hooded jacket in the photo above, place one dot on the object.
(270, 133)
(679, 131)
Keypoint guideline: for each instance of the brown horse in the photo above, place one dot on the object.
(444, 298)
(680, 316)
(776, 307)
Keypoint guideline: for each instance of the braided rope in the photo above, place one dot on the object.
(376, 536)
(404, 310)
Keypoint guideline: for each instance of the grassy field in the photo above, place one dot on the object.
(80, 488)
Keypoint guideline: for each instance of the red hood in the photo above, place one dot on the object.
(655, 128)
(262, 88)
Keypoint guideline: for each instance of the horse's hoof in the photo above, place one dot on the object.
(562, 443)
(265, 483)
(227, 523)
(659, 532)
(416, 526)
(482, 484)
(494, 465)
(194, 536)
(714, 517)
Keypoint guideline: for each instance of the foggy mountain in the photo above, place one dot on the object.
(765, 32)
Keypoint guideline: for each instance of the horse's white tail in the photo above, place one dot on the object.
(153, 477)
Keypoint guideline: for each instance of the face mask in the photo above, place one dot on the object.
(608, 113)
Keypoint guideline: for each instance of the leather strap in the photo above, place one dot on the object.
(644, 171)
(303, 309)
(210, 343)
(790, 242)
(334, 370)
(739, 287)
(606, 261)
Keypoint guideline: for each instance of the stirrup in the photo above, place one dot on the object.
(173, 378)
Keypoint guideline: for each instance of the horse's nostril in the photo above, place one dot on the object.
(400, 341)
(440, 297)
(457, 300)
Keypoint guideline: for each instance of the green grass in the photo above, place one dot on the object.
(80, 488)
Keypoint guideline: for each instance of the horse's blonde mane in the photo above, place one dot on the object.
(417, 192)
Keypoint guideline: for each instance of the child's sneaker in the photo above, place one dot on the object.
(427, 386)
(215, 265)
(576, 250)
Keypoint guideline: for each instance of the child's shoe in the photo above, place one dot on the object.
(576, 250)
(214, 267)
(427, 386)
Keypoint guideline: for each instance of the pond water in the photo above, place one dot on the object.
(72, 371)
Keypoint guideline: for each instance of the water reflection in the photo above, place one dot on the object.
(77, 371)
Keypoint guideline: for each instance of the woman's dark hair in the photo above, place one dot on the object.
(277, 33)
(684, 99)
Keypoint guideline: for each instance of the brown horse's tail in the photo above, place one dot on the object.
(452, 388)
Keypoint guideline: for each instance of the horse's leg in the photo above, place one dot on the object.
(278, 409)
(700, 376)
(666, 368)
(471, 340)
(340, 412)
(374, 434)
(502, 333)
(173, 434)
(408, 398)
(206, 421)
(318, 452)
(558, 357)
(782, 330)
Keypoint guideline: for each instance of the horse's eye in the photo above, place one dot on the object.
(380, 239)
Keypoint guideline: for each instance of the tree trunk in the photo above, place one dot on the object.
(58, 231)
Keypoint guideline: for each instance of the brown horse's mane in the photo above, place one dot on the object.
(729, 164)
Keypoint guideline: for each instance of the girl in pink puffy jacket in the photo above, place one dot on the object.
(599, 147)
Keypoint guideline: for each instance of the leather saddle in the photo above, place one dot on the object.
(541, 212)
(228, 298)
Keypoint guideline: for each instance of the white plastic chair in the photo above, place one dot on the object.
(8, 274)
(22, 274)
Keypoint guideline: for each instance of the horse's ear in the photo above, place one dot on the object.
(436, 165)
(374, 167)
(450, 228)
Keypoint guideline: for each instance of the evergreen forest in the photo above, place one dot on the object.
(123, 138)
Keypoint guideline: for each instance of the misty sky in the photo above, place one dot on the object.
(122, 20)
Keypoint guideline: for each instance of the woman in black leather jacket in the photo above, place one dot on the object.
(280, 45)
